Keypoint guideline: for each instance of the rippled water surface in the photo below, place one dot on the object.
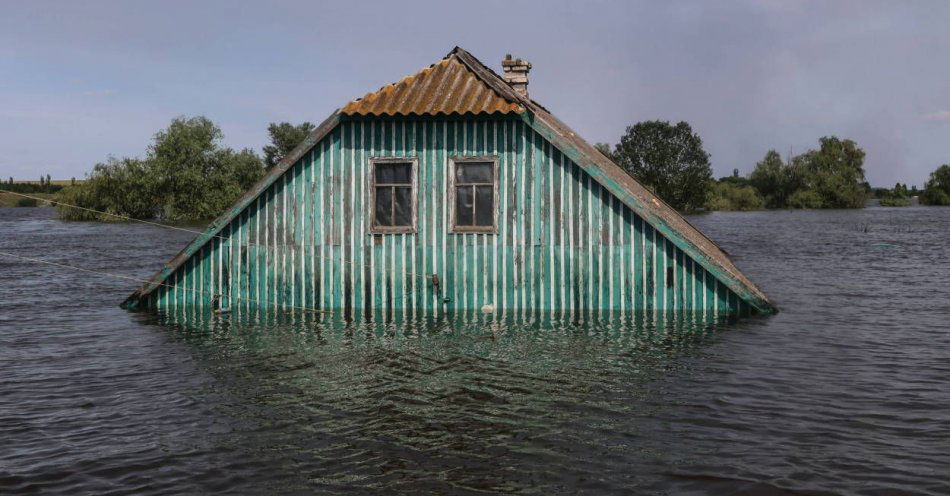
(844, 392)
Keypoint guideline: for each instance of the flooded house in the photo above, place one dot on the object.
(451, 191)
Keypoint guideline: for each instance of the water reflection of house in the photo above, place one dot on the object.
(451, 190)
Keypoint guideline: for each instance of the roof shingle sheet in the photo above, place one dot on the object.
(447, 87)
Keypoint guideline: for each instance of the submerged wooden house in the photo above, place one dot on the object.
(451, 190)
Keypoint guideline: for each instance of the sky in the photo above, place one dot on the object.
(80, 81)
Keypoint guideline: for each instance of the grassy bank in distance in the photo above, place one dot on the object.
(44, 189)
(8, 200)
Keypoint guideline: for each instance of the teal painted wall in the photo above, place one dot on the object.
(565, 245)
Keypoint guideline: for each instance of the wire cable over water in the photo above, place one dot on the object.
(129, 278)
(184, 229)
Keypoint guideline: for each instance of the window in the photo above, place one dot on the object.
(393, 195)
(474, 184)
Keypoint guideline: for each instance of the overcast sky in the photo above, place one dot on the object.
(82, 80)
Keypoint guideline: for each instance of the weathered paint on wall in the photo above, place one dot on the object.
(565, 244)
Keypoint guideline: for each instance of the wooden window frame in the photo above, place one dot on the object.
(453, 163)
(372, 228)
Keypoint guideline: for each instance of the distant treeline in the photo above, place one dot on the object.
(186, 175)
(670, 161)
(763, 190)
(44, 185)
(39, 191)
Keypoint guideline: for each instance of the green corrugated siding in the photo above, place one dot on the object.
(565, 244)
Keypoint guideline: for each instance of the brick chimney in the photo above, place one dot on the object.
(516, 74)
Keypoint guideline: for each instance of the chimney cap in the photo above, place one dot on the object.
(510, 62)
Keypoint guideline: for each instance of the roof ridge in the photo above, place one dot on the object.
(439, 89)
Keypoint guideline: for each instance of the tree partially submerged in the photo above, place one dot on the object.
(897, 197)
(830, 177)
(937, 189)
(669, 160)
(186, 175)
(727, 195)
(835, 173)
(774, 180)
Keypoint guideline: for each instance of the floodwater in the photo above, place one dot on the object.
(844, 392)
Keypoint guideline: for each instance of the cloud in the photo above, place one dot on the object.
(943, 115)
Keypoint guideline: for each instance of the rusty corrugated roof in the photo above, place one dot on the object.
(447, 87)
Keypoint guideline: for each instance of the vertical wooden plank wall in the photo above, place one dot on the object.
(564, 243)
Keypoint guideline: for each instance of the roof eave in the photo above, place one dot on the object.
(608, 174)
(157, 280)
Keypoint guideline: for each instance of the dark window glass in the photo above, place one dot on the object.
(474, 173)
(402, 207)
(464, 201)
(384, 205)
(393, 173)
(402, 173)
(384, 174)
(475, 195)
(393, 184)
(484, 208)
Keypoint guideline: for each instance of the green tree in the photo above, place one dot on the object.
(196, 177)
(937, 188)
(897, 197)
(879, 192)
(804, 198)
(605, 149)
(727, 195)
(773, 180)
(669, 160)
(835, 172)
(284, 137)
(121, 187)
(186, 175)
(830, 177)
(735, 179)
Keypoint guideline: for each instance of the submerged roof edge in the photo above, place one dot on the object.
(315, 136)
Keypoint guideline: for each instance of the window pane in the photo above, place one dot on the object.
(402, 210)
(474, 172)
(384, 206)
(463, 205)
(384, 173)
(398, 173)
(402, 173)
(484, 205)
